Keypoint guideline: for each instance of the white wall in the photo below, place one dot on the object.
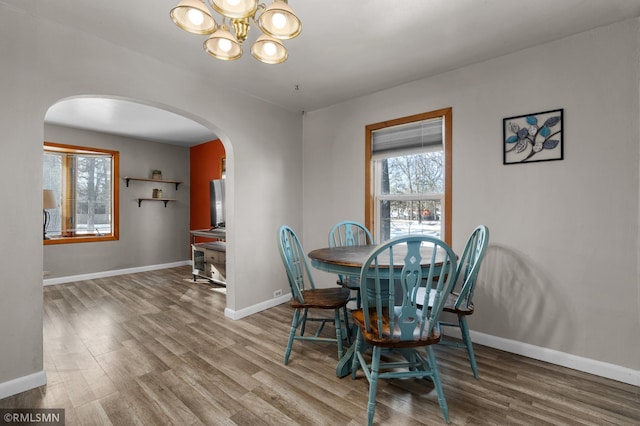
(561, 272)
(43, 63)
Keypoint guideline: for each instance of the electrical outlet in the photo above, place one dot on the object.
(277, 293)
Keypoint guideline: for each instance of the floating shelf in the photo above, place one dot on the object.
(165, 200)
(127, 179)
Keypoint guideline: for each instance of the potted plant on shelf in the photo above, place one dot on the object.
(156, 174)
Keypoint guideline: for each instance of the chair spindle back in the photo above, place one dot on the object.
(404, 256)
(295, 261)
(469, 265)
(349, 233)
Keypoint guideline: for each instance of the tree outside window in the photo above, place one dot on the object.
(412, 188)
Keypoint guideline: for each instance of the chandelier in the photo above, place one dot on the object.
(277, 22)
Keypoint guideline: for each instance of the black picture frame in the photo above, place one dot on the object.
(531, 138)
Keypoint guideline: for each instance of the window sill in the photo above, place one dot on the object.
(72, 240)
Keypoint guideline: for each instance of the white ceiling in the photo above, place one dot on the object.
(125, 118)
(347, 48)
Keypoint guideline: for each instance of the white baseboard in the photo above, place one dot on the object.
(591, 366)
(236, 315)
(72, 278)
(22, 384)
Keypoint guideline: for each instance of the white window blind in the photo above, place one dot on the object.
(420, 136)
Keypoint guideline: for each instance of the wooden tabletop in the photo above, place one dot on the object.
(349, 259)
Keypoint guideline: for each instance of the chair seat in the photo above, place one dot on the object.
(323, 298)
(388, 339)
(463, 309)
(449, 304)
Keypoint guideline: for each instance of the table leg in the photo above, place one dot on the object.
(344, 365)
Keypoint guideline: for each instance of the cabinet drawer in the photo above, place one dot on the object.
(216, 257)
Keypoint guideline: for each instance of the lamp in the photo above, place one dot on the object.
(277, 22)
(48, 202)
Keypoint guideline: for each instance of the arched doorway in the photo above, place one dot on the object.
(148, 137)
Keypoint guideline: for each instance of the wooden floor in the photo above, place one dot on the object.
(154, 349)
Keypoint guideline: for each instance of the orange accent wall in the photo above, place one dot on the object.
(205, 161)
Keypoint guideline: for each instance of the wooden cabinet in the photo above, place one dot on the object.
(210, 261)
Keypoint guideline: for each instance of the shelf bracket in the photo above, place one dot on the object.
(127, 182)
(139, 200)
(177, 183)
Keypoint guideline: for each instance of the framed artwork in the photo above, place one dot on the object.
(534, 137)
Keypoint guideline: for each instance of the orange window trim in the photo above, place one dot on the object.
(67, 236)
(446, 114)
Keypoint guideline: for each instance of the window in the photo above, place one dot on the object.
(408, 176)
(85, 187)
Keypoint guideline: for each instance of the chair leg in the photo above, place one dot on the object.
(464, 328)
(347, 328)
(338, 324)
(411, 357)
(373, 384)
(437, 384)
(303, 323)
(292, 333)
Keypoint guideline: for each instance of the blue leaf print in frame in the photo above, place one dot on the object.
(532, 138)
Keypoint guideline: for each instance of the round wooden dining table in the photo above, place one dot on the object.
(348, 260)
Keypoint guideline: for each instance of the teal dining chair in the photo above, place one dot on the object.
(305, 295)
(460, 300)
(350, 233)
(390, 318)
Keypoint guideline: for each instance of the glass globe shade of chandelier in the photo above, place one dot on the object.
(276, 21)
